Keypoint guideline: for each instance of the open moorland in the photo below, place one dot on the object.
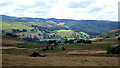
(75, 54)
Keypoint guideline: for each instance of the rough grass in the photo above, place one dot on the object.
(104, 55)
(13, 60)
(101, 46)
(57, 57)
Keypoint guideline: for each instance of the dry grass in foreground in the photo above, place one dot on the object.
(13, 60)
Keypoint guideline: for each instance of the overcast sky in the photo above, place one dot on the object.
(62, 9)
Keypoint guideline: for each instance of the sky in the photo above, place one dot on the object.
(62, 9)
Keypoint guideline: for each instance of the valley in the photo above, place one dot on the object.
(59, 42)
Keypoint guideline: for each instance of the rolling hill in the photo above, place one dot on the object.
(9, 26)
(91, 27)
(110, 34)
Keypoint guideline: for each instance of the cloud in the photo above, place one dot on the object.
(79, 5)
(65, 9)
(93, 10)
(4, 4)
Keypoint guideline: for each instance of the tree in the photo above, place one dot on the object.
(44, 49)
(59, 41)
(54, 35)
(118, 38)
(51, 48)
(16, 30)
(109, 48)
(47, 48)
(88, 41)
(66, 41)
(107, 37)
(81, 41)
(9, 34)
(24, 30)
(71, 41)
(116, 34)
(63, 48)
(51, 41)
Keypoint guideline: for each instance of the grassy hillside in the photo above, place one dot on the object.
(110, 34)
(8, 40)
(8, 26)
(36, 23)
(11, 42)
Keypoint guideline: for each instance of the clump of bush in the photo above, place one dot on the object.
(35, 54)
(63, 48)
(115, 50)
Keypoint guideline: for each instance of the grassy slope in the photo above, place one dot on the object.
(110, 34)
(6, 40)
(68, 33)
(83, 33)
(8, 26)
(64, 33)
(9, 41)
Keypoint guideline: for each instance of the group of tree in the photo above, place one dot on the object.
(65, 40)
(33, 39)
(51, 41)
(17, 30)
(47, 48)
(10, 34)
(53, 36)
(84, 41)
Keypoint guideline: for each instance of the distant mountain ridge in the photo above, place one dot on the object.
(29, 19)
(92, 27)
